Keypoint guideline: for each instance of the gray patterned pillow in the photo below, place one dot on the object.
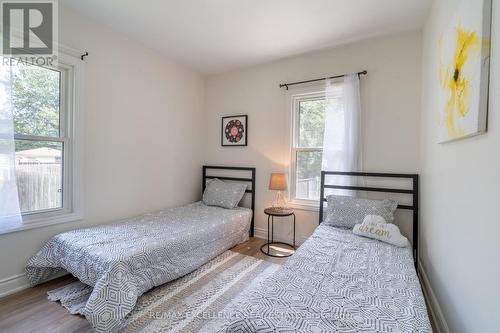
(223, 194)
(346, 212)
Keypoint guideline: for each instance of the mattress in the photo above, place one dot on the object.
(123, 260)
(335, 282)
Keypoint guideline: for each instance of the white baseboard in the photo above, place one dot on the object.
(262, 233)
(13, 284)
(19, 282)
(435, 309)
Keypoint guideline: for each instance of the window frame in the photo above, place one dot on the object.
(313, 93)
(70, 131)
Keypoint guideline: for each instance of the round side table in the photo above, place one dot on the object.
(271, 213)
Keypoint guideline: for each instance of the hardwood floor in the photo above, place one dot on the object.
(30, 310)
(252, 248)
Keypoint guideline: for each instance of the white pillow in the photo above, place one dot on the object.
(376, 227)
(374, 219)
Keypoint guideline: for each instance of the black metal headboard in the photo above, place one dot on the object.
(234, 178)
(413, 192)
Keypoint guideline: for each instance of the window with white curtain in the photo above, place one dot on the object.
(43, 103)
(325, 136)
(308, 124)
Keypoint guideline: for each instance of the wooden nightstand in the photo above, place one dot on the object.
(279, 251)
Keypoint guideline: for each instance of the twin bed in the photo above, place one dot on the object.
(336, 281)
(123, 260)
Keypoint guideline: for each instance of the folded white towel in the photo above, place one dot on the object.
(376, 227)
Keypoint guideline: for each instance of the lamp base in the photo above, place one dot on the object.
(279, 201)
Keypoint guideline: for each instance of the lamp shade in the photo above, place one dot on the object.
(277, 181)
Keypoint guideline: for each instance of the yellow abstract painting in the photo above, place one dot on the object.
(464, 71)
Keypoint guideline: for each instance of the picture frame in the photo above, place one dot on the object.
(234, 131)
(464, 54)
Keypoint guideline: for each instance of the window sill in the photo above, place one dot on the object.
(307, 206)
(44, 222)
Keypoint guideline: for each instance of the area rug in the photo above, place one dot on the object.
(185, 304)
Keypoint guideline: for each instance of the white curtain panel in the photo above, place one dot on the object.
(342, 136)
(10, 216)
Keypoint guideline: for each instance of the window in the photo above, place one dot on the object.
(308, 123)
(39, 133)
(44, 106)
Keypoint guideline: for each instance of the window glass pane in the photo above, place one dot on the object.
(311, 123)
(35, 100)
(39, 174)
(308, 175)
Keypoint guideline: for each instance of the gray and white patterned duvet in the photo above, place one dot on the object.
(335, 282)
(125, 259)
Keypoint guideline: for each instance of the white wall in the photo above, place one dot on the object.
(144, 144)
(143, 135)
(460, 195)
(390, 96)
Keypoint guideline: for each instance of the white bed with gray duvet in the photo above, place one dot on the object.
(356, 273)
(335, 282)
(123, 260)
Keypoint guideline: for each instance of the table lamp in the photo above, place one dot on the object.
(278, 183)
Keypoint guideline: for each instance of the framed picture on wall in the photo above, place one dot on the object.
(234, 131)
(464, 50)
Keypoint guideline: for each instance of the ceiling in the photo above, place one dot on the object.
(213, 36)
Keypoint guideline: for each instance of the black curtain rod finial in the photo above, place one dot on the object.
(84, 55)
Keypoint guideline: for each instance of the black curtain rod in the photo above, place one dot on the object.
(323, 78)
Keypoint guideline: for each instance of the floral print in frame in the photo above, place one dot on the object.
(234, 130)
